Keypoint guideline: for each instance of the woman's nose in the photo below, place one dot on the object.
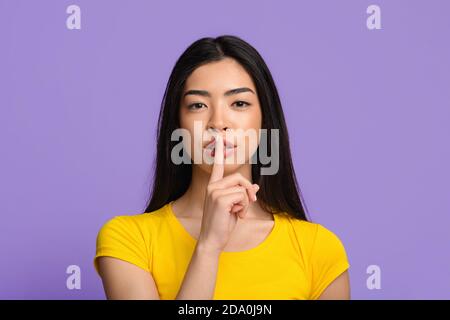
(217, 129)
(218, 121)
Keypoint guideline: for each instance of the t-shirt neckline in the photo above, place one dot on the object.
(269, 238)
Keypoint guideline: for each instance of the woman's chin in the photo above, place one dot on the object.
(228, 168)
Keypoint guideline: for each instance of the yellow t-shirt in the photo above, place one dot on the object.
(297, 260)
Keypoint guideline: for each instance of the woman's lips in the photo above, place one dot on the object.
(227, 150)
(226, 144)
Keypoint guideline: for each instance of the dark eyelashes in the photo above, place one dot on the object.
(191, 106)
(243, 104)
(246, 104)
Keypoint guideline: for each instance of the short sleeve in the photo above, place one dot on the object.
(328, 259)
(121, 238)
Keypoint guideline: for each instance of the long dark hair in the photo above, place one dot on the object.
(278, 192)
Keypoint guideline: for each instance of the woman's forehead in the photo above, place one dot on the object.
(218, 77)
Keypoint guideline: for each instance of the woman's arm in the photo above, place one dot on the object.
(200, 279)
(123, 280)
(339, 289)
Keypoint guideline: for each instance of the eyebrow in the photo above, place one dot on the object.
(205, 93)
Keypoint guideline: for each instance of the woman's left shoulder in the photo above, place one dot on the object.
(303, 227)
(313, 233)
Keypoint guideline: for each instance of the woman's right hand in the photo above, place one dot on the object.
(226, 199)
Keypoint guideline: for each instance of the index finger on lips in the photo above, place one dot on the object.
(218, 166)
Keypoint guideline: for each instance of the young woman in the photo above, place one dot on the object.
(221, 229)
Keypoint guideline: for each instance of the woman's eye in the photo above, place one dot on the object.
(241, 104)
(196, 106)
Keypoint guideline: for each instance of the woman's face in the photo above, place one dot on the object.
(220, 98)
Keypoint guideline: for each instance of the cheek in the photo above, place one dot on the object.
(192, 123)
(249, 120)
(193, 137)
(251, 124)
(185, 120)
(256, 124)
(252, 120)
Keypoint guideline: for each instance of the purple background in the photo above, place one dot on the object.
(368, 114)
